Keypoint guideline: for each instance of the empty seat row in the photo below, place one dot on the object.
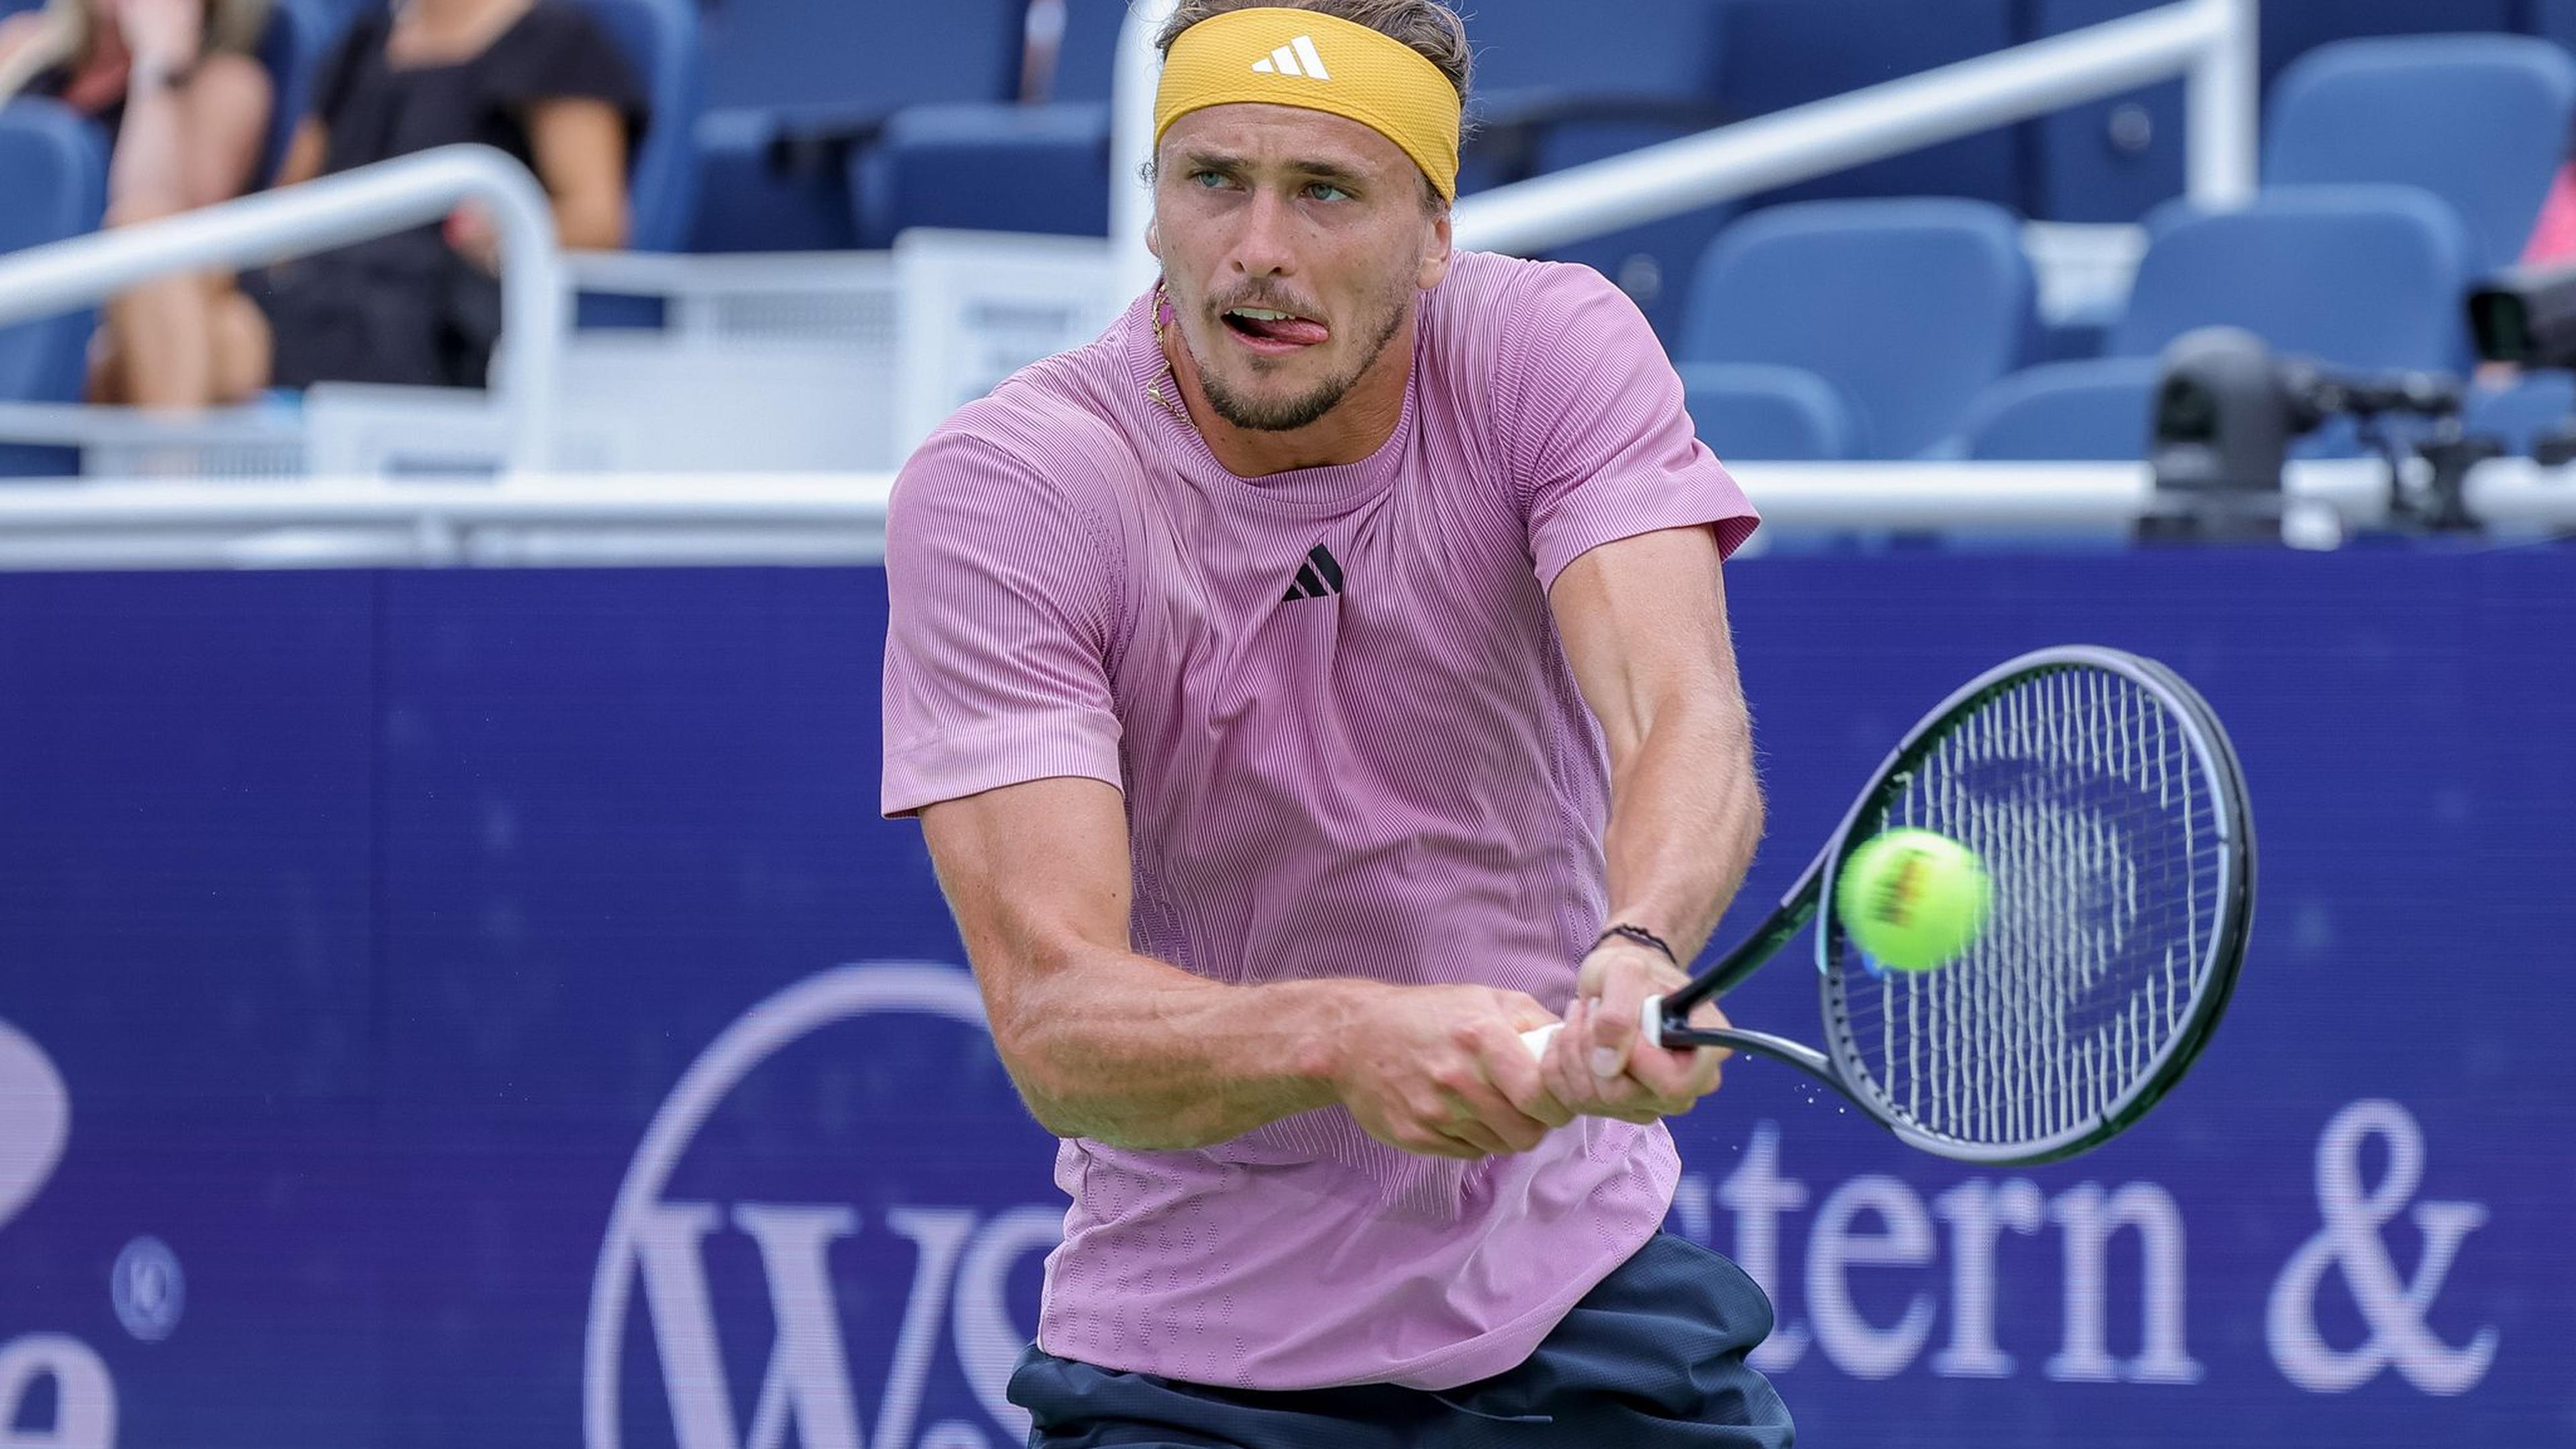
(1876, 322)
(798, 93)
(2479, 119)
(1900, 329)
(2367, 278)
(1558, 85)
(2397, 171)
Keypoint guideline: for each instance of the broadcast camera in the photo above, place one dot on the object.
(2527, 317)
(2227, 410)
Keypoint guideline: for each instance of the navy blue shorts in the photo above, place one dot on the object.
(1653, 1358)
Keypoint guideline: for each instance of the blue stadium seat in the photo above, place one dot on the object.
(791, 54)
(1781, 53)
(2554, 20)
(2478, 120)
(1086, 59)
(796, 87)
(1556, 87)
(660, 40)
(299, 34)
(1003, 166)
(2361, 277)
(2292, 28)
(1761, 410)
(2113, 160)
(1909, 306)
(53, 170)
(2065, 411)
(988, 167)
(2358, 276)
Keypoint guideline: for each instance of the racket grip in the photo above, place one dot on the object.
(1650, 1024)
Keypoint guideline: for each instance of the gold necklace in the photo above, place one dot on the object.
(1169, 402)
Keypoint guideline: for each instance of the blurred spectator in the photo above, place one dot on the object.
(188, 108)
(2553, 237)
(538, 79)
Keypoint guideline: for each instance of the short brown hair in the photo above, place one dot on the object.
(1429, 27)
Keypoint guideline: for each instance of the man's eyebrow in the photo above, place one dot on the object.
(1334, 171)
(1326, 171)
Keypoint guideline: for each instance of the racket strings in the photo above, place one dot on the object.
(2087, 800)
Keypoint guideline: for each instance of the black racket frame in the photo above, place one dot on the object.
(1841, 1066)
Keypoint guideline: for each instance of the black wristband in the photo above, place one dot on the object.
(1642, 937)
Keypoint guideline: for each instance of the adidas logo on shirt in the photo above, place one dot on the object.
(1320, 576)
(1298, 58)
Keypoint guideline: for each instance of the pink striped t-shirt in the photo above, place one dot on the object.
(1350, 745)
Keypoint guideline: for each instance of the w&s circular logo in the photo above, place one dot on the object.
(831, 1234)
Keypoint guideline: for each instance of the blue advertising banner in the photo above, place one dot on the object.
(484, 1008)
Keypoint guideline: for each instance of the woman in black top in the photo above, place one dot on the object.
(535, 78)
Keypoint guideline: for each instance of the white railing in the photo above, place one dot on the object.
(771, 518)
(628, 520)
(1131, 143)
(333, 212)
(2212, 42)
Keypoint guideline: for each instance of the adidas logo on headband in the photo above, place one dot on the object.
(1274, 54)
(1298, 58)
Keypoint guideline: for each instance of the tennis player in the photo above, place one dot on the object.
(1306, 688)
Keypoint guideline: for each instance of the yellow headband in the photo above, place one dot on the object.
(1318, 62)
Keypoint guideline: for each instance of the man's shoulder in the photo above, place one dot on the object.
(1526, 297)
(1496, 322)
(1492, 312)
(1047, 437)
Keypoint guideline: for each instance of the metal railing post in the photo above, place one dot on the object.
(1811, 140)
(1131, 144)
(2225, 101)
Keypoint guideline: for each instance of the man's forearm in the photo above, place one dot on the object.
(1130, 1051)
(1685, 817)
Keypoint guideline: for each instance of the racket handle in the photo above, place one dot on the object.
(1650, 1022)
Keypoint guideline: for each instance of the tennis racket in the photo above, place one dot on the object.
(2108, 807)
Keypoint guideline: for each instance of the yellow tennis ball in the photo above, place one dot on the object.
(1912, 899)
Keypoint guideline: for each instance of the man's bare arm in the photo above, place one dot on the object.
(1120, 1048)
(1644, 625)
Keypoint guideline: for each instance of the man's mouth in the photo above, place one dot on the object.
(1268, 330)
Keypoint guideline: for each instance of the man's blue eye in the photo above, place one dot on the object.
(1207, 178)
(1327, 191)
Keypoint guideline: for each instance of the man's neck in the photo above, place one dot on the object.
(1351, 432)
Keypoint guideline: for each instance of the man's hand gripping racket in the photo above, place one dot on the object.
(2107, 804)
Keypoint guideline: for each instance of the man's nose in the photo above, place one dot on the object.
(1265, 247)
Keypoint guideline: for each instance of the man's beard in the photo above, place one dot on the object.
(1284, 415)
